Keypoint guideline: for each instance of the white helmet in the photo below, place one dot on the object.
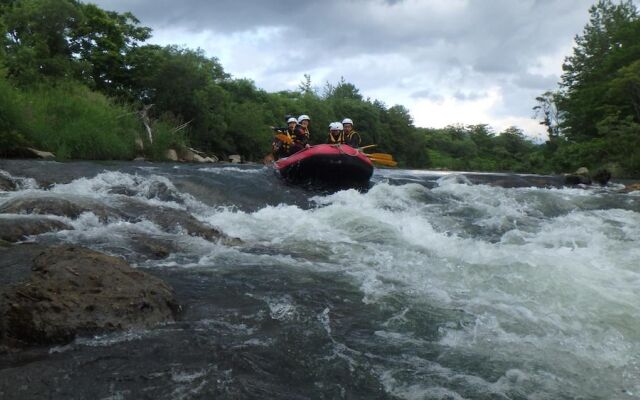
(347, 121)
(335, 126)
(292, 119)
(303, 117)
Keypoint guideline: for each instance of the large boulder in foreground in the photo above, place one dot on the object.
(75, 291)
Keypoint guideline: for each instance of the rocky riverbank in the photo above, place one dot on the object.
(51, 294)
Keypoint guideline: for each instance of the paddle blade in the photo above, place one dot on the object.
(381, 156)
(386, 163)
(284, 138)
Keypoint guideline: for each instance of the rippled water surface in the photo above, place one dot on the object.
(426, 286)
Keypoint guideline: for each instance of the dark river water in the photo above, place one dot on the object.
(427, 286)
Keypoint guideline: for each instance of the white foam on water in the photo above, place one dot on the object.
(144, 188)
(233, 170)
(542, 280)
(21, 182)
(559, 288)
(282, 308)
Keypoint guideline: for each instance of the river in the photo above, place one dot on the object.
(430, 285)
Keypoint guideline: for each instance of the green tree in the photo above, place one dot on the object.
(102, 41)
(609, 42)
(37, 38)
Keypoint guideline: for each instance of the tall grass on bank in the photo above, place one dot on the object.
(75, 123)
(11, 122)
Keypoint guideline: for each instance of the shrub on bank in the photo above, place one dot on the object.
(11, 129)
(75, 123)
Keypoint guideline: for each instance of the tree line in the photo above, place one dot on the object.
(74, 79)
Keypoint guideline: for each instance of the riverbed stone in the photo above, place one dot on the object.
(14, 228)
(41, 154)
(171, 155)
(631, 187)
(73, 291)
(580, 177)
(6, 184)
(602, 176)
(54, 205)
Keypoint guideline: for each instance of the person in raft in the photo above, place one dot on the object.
(301, 134)
(351, 137)
(284, 139)
(336, 135)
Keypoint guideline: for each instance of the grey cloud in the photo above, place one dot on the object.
(469, 96)
(427, 94)
(472, 45)
(535, 81)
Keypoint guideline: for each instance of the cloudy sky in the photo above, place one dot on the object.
(448, 61)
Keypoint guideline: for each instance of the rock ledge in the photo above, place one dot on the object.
(75, 291)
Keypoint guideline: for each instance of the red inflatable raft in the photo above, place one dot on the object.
(327, 164)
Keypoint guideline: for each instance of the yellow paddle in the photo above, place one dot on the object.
(284, 138)
(386, 163)
(382, 159)
(382, 156)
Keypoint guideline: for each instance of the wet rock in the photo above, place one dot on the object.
(171, 155)
(75, 291)
(123, 190)
(169, 219)
(187, 155)
(235, 158)
(15, 262)
(152, 248)
(582, 171)
(572, 179)
(156, 190)
(198, 158)
(40, 154)
(160, 190)
(173, 220)
(580, 177)
(632, 187)
(602, 176)
(16, 228)
(7, 184)
(53, 205)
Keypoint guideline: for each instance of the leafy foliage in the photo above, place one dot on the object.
(72, 76)
(594, 117)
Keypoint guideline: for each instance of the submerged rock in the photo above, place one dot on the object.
(580, 177)
(7, 184)
(169, 219)
(602, 176)
(54, 205)
(75, 291)
(632, 187)
(151, 247)
(14, 228)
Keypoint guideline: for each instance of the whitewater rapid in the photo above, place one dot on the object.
(486, 292)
